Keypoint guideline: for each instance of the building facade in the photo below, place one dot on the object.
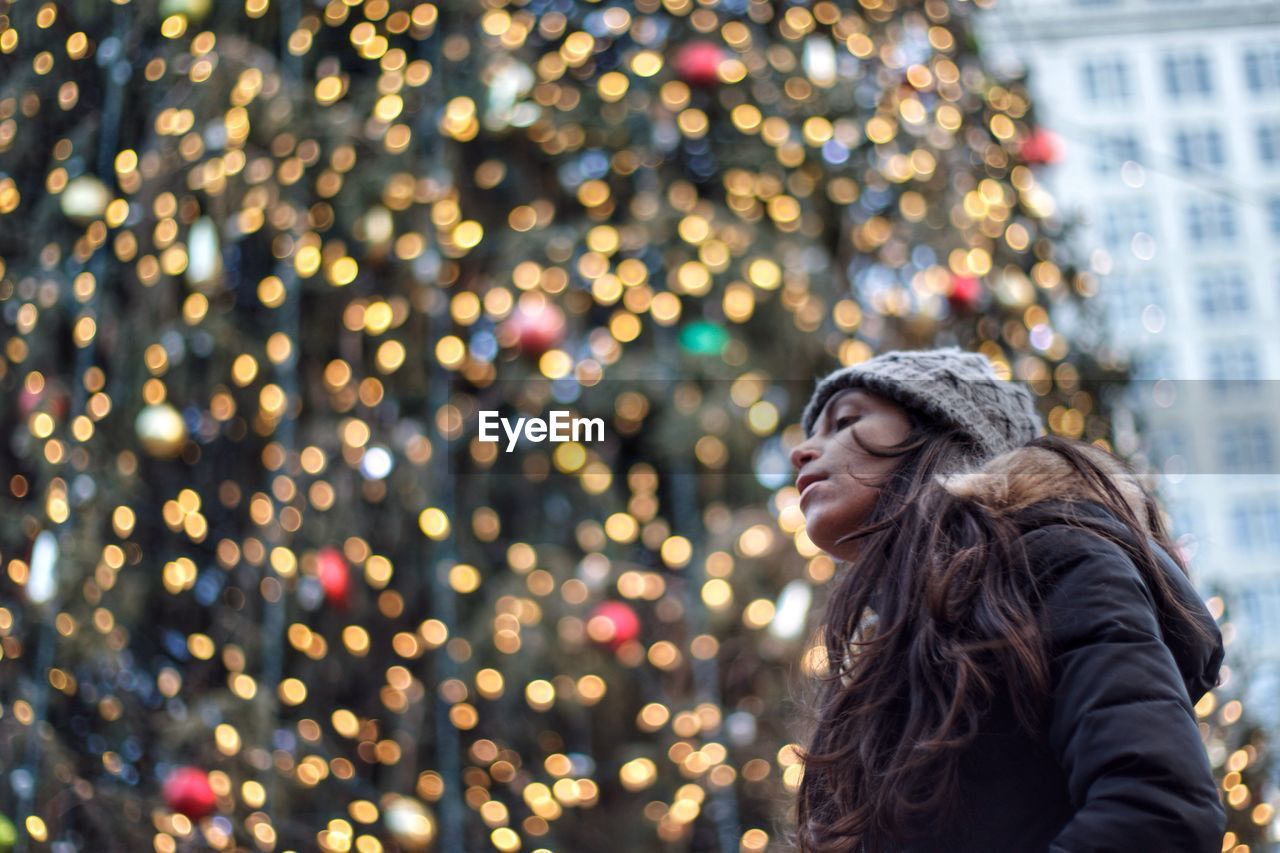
(1169, 117)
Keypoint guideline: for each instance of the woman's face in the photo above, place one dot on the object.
(837, 479)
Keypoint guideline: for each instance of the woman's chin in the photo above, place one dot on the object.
(826, 532)
(827, 541)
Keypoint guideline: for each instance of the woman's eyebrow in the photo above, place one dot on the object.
(850, 398)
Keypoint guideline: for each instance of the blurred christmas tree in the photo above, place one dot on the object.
(261, 264)
(1240, 752)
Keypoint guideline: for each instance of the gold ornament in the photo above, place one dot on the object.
(161, 430)
(192, 10)
(84, 199)
(410, 823)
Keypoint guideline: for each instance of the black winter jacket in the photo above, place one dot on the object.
(1119, 764)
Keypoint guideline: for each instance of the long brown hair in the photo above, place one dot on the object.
(954, 603)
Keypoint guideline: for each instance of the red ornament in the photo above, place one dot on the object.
(1041, 147)
(538, 328)
(335, 577)
(698, 63)
(613, 624)
(187, 790)
(52, 397)
(965, 292)
(27, 401)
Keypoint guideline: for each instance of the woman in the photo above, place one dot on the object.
(1014, 646)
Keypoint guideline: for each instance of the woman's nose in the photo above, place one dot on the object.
(802, 454)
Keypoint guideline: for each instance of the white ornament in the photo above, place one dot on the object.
(820, 60)
(741, 728)
(376, 463)
(410, 824)
(84, 199)
(378, 226)
(511, 82)
(204, 254)
(43, 583)
(791, 609)
(161, 430)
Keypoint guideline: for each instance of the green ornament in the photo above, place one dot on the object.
(703, 338)
(8, 834)
(194, 10)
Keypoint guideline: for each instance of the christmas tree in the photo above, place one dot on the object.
(263, 263)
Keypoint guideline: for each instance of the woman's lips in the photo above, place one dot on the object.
(808, 489)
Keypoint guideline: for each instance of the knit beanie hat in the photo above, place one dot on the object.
(950, 386)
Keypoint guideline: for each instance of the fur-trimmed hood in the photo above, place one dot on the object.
(1028, 475)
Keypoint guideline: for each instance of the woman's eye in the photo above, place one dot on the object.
(845, 421)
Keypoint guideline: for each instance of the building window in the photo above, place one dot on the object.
(1211, 220)
(1188, 75)
(1121, 220)
(1255, 523)
(1111, 150)
(1262, 69)
(1199, 148)
(1273, 215)
(1221, 291)
(1260, 606)
(1131, 294)
(1269, 144)
(1246, 447)
(1107, 80)
(1233, 364)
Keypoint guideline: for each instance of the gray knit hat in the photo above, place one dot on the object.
(951, 386)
